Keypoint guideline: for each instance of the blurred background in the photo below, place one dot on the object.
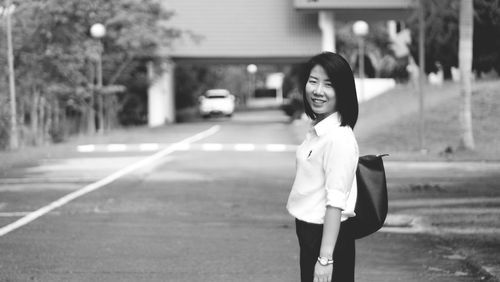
(192, 109)
(86, 67)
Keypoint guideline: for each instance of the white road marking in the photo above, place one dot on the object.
(117, 147)
(212, 147)
(276, 147)
(209, 147)
(184, 147)
(86, 148)
(38, 180)
(13, 214)
(244, 147)
(149, 147)
(105, 181)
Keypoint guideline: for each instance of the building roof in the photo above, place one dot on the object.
(368, 10)
(257, 31)
(242, 29)
(355, 4)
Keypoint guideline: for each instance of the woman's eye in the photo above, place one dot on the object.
(312, 81)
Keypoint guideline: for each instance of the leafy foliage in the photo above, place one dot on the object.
(192, 81)
(56, 55)
(56, 41)
(441, 35)
(486, 35)
(377, 49)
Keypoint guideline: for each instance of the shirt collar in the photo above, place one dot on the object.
(324, 126)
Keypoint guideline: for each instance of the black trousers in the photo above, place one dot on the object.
(309, 235)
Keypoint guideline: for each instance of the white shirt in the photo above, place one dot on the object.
(326, 172)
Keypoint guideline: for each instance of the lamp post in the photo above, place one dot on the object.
(13, 136)
(98, 31)
(421, 74)
(251, 69)
(361, 29)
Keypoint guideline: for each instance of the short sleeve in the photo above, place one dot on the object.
(340, 163)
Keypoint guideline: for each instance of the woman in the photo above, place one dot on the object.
(324, 192)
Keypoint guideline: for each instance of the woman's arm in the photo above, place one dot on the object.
(340, 161)
(331, 229)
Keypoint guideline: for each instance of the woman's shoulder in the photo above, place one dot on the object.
(343, 132)
(341, 140)
(342, 135)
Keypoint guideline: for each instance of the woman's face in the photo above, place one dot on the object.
(320, 93)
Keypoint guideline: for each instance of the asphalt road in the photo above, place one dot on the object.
(210, 208)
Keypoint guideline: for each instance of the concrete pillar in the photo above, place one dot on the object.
(161, 95)
(326, 22)
(391, 29)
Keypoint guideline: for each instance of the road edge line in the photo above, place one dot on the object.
(105, 181)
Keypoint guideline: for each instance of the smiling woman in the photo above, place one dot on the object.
(324, 191)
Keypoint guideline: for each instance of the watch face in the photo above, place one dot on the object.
(325, 261)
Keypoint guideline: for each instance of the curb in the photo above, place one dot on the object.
(492, 274)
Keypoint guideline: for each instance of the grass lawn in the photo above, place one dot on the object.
(390, 123)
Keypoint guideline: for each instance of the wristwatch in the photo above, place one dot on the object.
(325, 261)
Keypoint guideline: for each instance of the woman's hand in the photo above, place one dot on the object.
(323, 273)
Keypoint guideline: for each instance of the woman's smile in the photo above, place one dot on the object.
(320, 102)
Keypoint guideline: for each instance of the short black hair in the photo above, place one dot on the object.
(342, 78)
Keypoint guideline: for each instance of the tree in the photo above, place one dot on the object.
(465, 64)
(377, 44)
(55, 54)
(486, 36)
(441, 34)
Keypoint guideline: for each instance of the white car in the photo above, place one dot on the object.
(216, 102)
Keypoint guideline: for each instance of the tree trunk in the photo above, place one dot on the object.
(48, 122)
(56, 118)
(112, 111)
(41, 124)
(82, 121)
(56, 115)
(64, 121)
(90, 113)
(91, 123)
(34, 115)
(21, 122)
(108, 113)
(21, 115)
(465, 64)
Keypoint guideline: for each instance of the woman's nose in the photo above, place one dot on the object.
(317, 89)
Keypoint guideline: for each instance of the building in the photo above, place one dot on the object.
(242, 31)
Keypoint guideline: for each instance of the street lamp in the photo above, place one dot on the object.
(361, 29)
(7, 11)
(251, 69)
(98, 31)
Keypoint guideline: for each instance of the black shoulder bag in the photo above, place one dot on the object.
(372, 202)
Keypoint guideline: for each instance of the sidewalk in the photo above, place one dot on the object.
(414, 257)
